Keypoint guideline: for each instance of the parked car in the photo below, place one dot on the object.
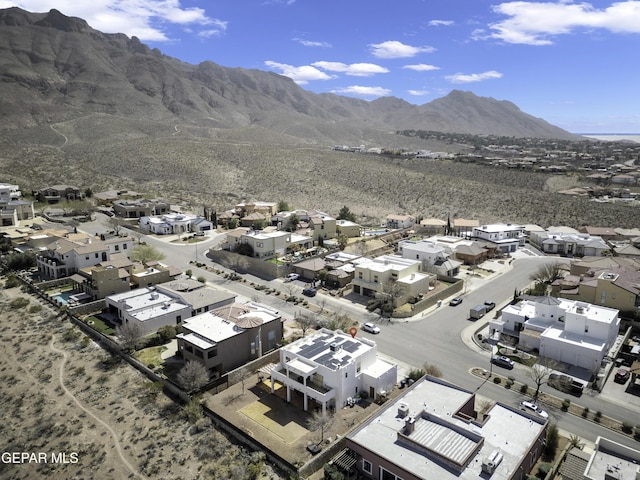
(502, 361)
(489, 305)
(370, 327)
(622, 376)
(533, 407)
(291, 277)
(310, 292)
(455, 301)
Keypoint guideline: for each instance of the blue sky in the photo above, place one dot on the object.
(574, 64)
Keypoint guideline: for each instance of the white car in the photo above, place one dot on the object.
(291, 277)
(535, 408)
(370, 327)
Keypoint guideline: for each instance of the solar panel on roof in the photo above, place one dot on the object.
(350, 346)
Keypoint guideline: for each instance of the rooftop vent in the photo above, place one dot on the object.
(409, 425)
(403, 410)
(334, 347)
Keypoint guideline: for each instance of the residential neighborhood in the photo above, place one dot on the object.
(302, 301)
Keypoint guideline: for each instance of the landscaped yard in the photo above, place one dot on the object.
(101, 325)
(151, 355)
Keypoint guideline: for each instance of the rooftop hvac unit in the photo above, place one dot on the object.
(490, 463)
(403, 410)
(334, 347)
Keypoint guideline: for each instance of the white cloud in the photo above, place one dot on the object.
(354, 69)
(309, 43)
(363, 91)
(140, 18)
(301, 75)
(395, 49)
(418, 93)
(473, 77)
(422, 67)
(535, 23)
(438, 23)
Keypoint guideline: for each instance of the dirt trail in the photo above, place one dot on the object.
(114, 435)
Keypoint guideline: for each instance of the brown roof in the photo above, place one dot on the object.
(463, 222)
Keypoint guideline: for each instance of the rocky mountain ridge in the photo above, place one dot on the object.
(56, 68)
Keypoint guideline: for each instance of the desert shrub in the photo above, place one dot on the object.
(524, 388)
(565, 404)
(543, 470)
(627, 427)
(11, 281)
(416, 373)
(636, 433)
(597, 417)
(585, 412)
(497, 380)
(18, 302)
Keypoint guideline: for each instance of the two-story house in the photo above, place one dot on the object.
(391, 275)
(569, 244)
(59, 193)
(267, 244)
(506, 237)
(228, 337)
(165, 304)
(433, 431)
(569, 331)
(66, 255)
(347, 228)
(434, 257)
(329, 367)
(617, 287)
(174, 223)
(124, 208)
(399, 221)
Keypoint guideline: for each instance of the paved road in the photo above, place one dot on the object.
(434, 338)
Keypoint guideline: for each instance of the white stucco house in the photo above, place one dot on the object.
(568, 331)
(507, 237)
(434, 257)
(174, 223)
(329, 367)
(376, 276)
(570, 244)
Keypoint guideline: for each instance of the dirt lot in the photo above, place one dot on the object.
(71, 410)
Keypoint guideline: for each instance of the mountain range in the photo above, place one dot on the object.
(56, 68)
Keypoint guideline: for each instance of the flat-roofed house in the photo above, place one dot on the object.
(329, 367)
(228, 337)
(432, 431)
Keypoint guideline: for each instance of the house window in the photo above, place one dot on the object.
(212, 353)
(586, 329)
(117, 248)
(188, 348)
(360, 275)
(199, 353)
(603, 296)
(178, 319)
(367, 467)
(124, 247)
(346, 374)
(375, 279)
(96, 255)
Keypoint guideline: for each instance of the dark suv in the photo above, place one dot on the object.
(489, 305)
(310, 292)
